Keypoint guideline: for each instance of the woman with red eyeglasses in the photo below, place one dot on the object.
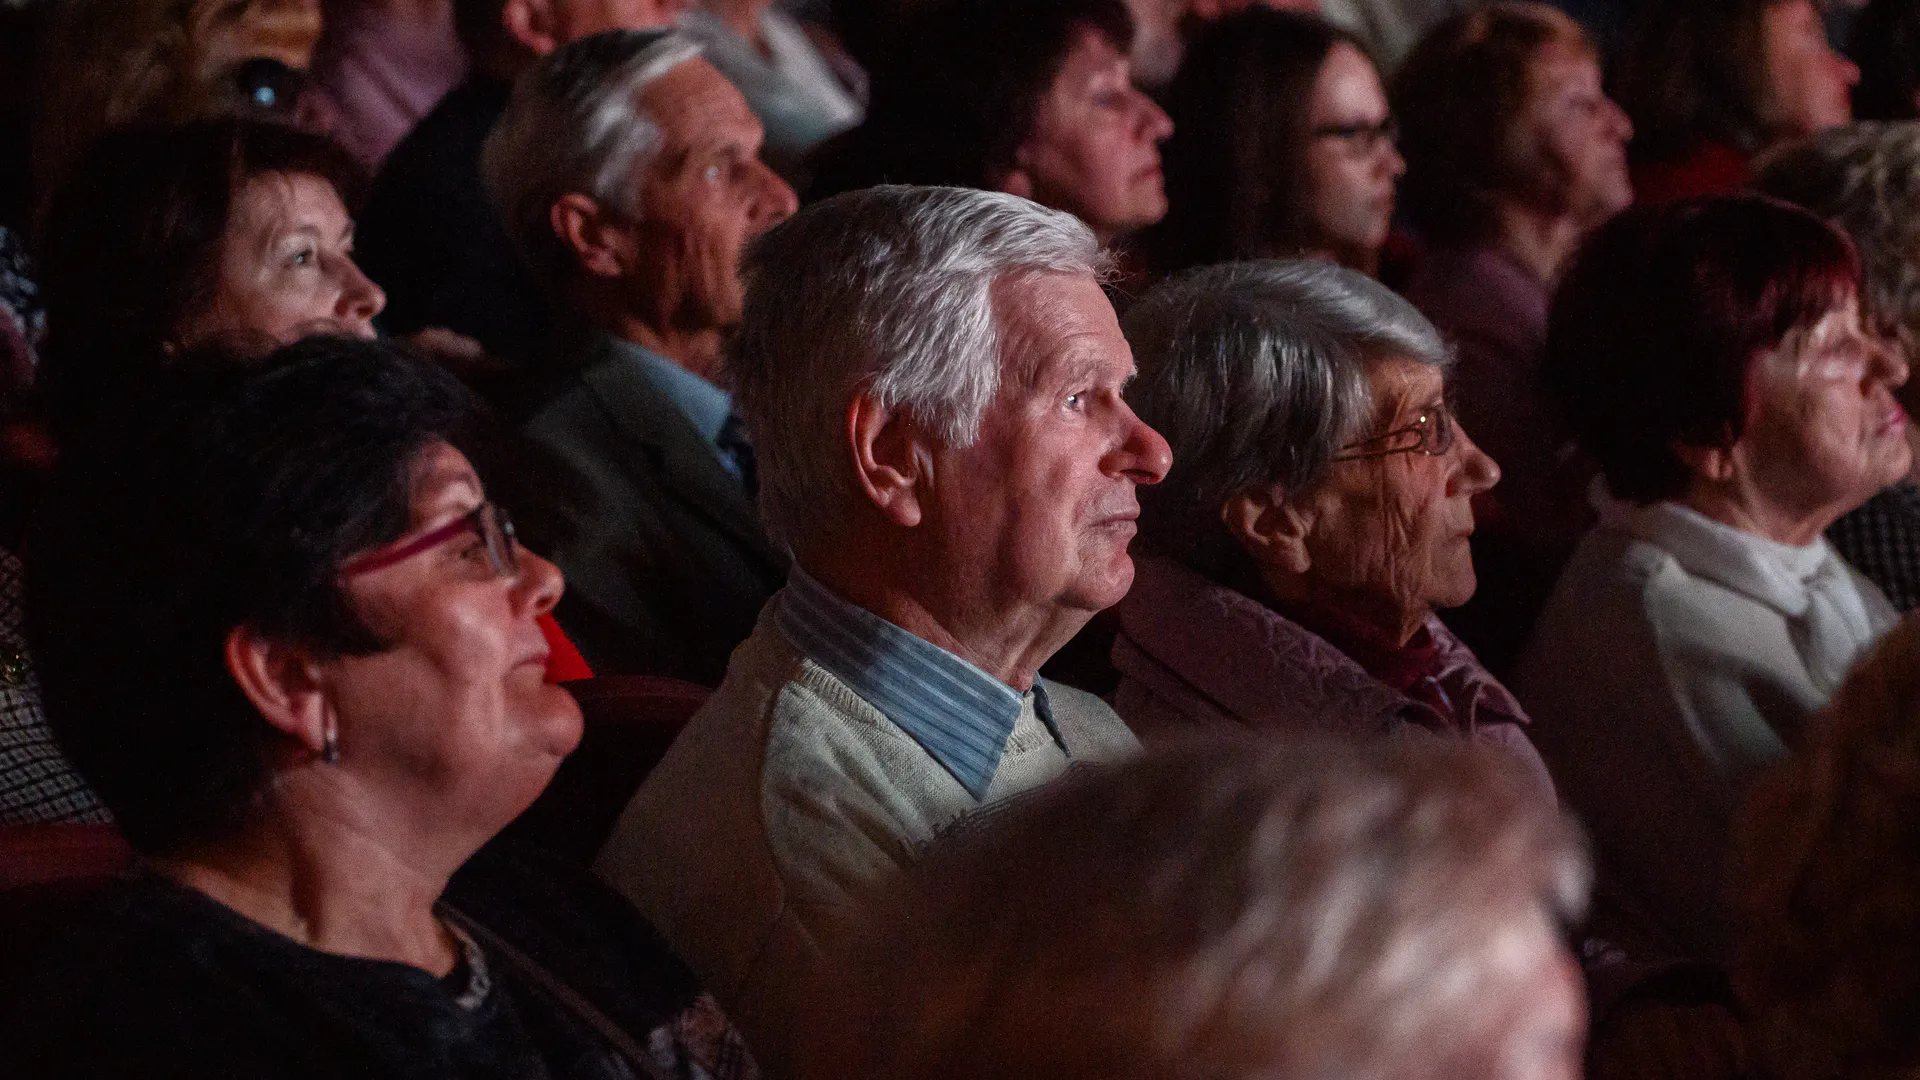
(230, 233)
(295, 648)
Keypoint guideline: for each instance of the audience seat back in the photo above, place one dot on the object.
(630, 722)
(45, 872)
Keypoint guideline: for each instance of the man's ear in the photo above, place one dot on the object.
(1017, 182)
(531, 23)
(284, 683)
(1711, 463)
(1272, 528)
(889, 457)
(598, 238)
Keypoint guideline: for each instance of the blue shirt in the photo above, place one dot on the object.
(960, 715)
(705, 405)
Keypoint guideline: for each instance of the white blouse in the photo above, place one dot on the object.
(1676, 658)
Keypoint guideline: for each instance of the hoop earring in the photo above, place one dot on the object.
(330, 744)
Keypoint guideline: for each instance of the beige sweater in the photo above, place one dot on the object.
(786, 797)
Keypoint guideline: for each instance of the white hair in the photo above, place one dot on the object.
(574, 124)
(884, 292)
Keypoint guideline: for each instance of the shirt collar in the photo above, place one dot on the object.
(1777, 575)
(705, 405)
(960, 715)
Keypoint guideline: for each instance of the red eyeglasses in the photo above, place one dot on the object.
(487, 521)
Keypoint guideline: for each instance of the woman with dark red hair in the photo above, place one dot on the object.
(1709, 355)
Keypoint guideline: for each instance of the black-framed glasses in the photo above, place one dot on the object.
(1364, 138)
(487, 521)
(1430, 434)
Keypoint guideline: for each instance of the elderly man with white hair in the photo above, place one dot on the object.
(427, 232)
(933, 377)
(627, 171)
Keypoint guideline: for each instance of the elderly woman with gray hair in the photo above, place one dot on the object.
(1316, 515)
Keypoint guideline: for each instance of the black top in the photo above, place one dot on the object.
(156, 980)
(1882, 540)
(429, 235)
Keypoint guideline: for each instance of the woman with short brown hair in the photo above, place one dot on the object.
(1514, 154)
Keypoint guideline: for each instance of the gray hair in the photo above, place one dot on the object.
(884, 292)
(1257, 373)
(1865, 178)
(574, 124)
(1306, 907)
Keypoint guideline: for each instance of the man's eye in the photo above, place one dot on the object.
(712, 174)
(1075, 401)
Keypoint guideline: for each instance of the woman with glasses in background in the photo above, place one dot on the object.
(297, 651)
(1316, 515)
(1283, 145)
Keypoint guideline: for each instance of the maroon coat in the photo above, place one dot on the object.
(1194, 655)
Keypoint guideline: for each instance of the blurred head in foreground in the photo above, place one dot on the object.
(1828, 957)
(1295, 908)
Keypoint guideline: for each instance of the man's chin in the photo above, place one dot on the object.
(1097, 592)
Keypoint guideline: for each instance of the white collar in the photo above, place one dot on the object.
(1778, 575)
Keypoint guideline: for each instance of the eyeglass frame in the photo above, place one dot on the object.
(1436, 444)
(1367, 138)
(502, 543)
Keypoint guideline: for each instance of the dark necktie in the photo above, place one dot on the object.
(733, 443)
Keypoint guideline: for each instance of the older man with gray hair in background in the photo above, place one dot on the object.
(627, 171)
(933, 377)
(426, 231)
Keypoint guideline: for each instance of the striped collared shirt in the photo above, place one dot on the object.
(960, 715)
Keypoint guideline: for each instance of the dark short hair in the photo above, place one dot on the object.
(1460, 95)
(1885, 43)
(229, 497)
(1657, 323)
(132, 244)
(1694, 71)
(959, 91)
(1235, 176)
